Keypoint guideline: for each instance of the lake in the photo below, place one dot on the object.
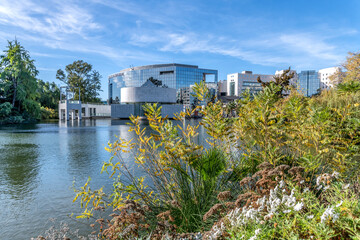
(38, 164)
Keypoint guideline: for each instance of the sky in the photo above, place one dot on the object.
(227, 35)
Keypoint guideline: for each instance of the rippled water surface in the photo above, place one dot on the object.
(38, 164)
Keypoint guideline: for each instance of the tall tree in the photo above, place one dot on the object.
(282, 80)
(18, 79)
(80, 74)
(48, 94)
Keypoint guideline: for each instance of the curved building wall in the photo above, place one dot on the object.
(172, 75)
(148, 95)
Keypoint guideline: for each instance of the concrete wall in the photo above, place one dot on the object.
(101, 110)
(148, 94)
(126, 110)
(171, 109)
(121, 110)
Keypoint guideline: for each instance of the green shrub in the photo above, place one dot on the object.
(5, 110)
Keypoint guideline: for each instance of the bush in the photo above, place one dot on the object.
(5, 110)
(186, 187)
(48, 113)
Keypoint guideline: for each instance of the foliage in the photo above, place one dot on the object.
(48, 113)
(283, 81)
(80, 74)
(186, 186)
(18, 79)
(5, 110)
(291, 208)
(48, 94)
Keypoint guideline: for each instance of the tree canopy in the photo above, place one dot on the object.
(80, 74)
(18, 79)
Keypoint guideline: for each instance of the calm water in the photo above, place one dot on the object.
(38, 164)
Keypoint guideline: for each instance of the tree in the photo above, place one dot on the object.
(282, 80)
(80, 74)
(48, 94)
(18, 79)
(351, 73)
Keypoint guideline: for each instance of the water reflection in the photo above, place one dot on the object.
(38, 164)
(19, 169)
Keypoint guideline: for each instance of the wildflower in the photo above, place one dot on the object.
(281, 184)
(329, 212)
(286, 211)
(310, 217)
(339, 204)
(335, 174)
(224, 196)
(346, 186)
(302, 182)
(306, 190)
(298, 206)
(257, 231)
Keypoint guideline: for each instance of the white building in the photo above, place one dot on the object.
(324, 75)
(239, 82)
(71, 110)
(133, 99)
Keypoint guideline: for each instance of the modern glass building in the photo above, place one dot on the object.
(172, 75)
(309, 82)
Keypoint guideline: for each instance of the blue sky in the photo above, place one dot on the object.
(230, 36)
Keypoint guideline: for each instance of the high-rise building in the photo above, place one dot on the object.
(172, 75)
(325, 81)
(246, 80)
(309, 82)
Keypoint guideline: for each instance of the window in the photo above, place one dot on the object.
(232, 89)
(166, 72)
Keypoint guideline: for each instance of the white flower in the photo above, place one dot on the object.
(326, 187)
(319, 187)
(339, 204)
(298, 206)
(335, 174)
(306, 190)
(286, 211)
(257, 231)
(302, 181)
(329, 212)
(310, 216)
(281, 184)
(318, 180)
(346, 186)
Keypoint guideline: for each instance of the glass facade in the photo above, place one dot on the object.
(173, 75)
(309, 82)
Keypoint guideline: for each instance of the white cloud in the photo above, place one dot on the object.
(54, 21)
(300, 50)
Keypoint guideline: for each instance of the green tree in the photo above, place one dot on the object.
(18, 79)
(48, 94)
(81, 75)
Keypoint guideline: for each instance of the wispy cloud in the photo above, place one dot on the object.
(53, 21)
(299, 49)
